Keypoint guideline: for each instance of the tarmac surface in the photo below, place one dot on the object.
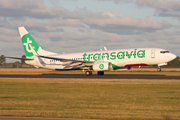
(81, 76)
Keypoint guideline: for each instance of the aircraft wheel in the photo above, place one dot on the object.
(88, 73)
(100, 72)
(159, 69)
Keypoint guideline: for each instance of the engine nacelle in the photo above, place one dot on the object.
(102, 66)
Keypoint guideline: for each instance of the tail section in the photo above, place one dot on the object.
(28, 40)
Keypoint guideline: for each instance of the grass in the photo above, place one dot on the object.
(90, 98)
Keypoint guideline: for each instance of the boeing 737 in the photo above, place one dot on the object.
(99, 61)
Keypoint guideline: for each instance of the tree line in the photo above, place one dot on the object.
(3, 62)
(173, 64)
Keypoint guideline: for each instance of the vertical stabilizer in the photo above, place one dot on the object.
(28, 40)
(22, 31)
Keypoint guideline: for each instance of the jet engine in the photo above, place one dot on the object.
(102, 66)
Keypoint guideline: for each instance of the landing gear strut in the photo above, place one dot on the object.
(100, 72)
(159, 69)
(88, 73)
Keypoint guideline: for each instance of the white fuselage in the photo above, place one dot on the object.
(118, 58)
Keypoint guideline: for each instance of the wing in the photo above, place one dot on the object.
(78, 63)
(69, 61)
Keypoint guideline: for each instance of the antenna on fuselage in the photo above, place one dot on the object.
(105, 48)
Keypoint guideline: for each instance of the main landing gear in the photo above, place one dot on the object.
(159, 69)
(89, 73)
(100, 72)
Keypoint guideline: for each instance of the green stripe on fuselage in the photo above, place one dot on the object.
(114, 66)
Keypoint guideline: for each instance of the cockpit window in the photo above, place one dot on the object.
(164, 51)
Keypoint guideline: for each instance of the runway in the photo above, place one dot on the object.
(81, 76)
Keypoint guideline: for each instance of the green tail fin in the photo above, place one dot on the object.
(26, 40)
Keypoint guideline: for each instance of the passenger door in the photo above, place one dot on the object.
(152, 53)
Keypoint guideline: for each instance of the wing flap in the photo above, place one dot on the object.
(75, 64)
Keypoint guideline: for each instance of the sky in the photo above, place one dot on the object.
(68, 26)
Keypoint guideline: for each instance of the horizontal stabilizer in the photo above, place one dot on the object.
(19, 58)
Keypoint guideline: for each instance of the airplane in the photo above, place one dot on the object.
(98, 61)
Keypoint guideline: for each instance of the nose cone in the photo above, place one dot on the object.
(172, 56)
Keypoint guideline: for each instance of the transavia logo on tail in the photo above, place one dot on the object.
(26, 40)
(27, 45)
(101, 66)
